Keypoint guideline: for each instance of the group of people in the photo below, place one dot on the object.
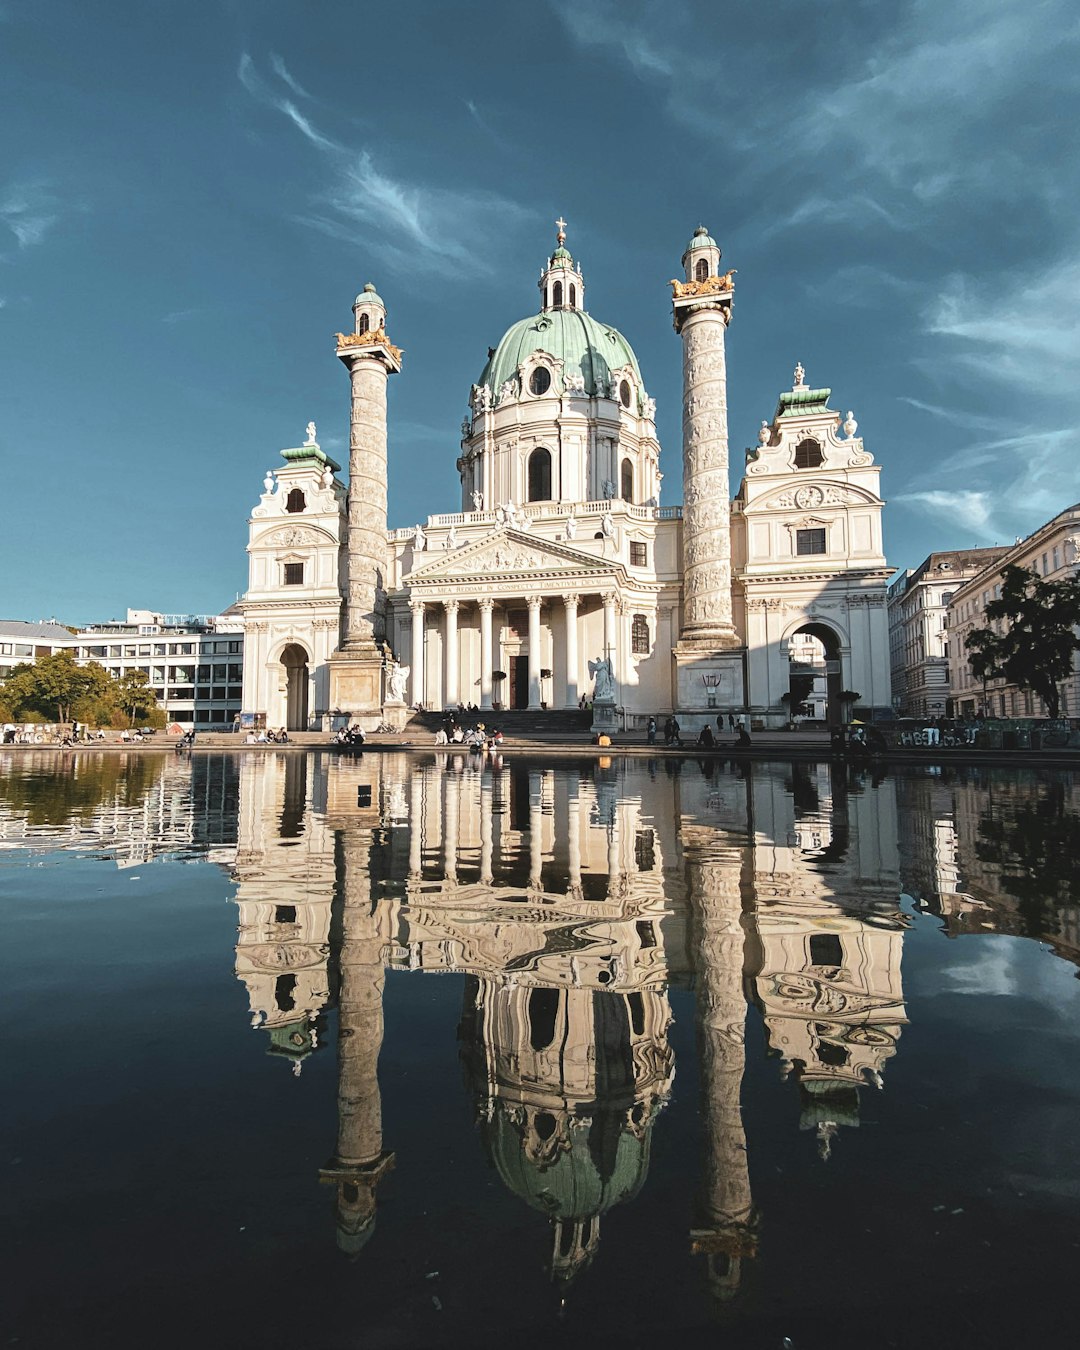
(473, 738)
(279, 737)
(706, 740)
(353, 735)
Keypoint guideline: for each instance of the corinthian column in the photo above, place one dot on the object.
(725, 1227)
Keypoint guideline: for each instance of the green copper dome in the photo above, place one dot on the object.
(605, 1164)
(702, 239)
(573, 337)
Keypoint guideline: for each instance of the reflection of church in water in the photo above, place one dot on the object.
(572, 900)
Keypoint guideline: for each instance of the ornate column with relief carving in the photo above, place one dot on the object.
(356, 668)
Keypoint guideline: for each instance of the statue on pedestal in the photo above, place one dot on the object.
(604, 680)
(396, 678)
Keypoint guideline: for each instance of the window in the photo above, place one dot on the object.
(184, 692)
(294, 574)
(364, 324)
(234, 647)
(826, 950)
(129, 651)
(701, 269)
(639, 635)
(624, 393)
(295, 502)
(235, 672)
(540, 380)
(540, 474)
(218, 691)
(626, 481)
(808, 455)
(639, 554)
(181, 674)
(556, 294)
(573, 297)
(809, 541)
(203, 673)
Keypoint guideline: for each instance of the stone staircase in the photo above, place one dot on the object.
(519, 728)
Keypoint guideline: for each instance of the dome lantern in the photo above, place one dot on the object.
(561, 283)
(369, 312)
(702, 257)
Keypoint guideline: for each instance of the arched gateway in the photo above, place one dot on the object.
(294, 659)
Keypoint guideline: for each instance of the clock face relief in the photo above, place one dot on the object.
(809, 496)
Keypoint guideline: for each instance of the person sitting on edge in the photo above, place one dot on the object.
(742, 740)
(705, 738)
(441, 737)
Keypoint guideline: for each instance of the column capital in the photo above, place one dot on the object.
(535, 601)
(571, 601)
(486, 603)
(417, 606)
(610, 597)
(451, 606)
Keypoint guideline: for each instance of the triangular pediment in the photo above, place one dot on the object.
(507, 553)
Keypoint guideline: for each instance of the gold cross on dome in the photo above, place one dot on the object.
(560, 225)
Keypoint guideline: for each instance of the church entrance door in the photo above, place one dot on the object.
(295, 661)
(815, 681)
(519, 682)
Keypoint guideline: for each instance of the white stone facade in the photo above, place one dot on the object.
(561, 554)
(292, 610)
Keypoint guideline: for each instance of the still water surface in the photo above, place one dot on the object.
(397, 1051)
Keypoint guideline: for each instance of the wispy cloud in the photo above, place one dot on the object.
(403, 221)
(28, 210)
(283, 73)
(605, 24)
(1019, 329)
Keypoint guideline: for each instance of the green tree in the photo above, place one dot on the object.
(56, 686)
(135, 696)
(1035, 648)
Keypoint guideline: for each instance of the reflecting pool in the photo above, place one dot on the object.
(394, 1050)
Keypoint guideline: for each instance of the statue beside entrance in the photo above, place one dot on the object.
(603, 694)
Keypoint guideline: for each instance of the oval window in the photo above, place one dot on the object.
(540, 380)
(624, 393)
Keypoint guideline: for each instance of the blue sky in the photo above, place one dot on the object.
(192, 193)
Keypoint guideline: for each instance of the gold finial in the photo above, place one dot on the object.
(560, 225)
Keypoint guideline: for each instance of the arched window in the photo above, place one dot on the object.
(543, 1012)
(639, 635)
(573, 297)
(701, 269)
(626, 481)
(364, 325)
(808, 454)
(540, 380)
(556, 294)
(540, 476)
(624, 393)
(295, 502)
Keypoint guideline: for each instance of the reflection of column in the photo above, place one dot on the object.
(417, 607)
(485, 829)
(452, 607)
(571, 603)
(451, 785)
(574, 841)
(609, 630)
(486, 666)
(534, 652)
(416, 823)
(725, 1230)
(360, 1161)
(536, 836)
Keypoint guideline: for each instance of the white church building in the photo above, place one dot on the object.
(561, 565)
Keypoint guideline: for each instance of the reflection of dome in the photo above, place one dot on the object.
(599, 1164)
(584, 346)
